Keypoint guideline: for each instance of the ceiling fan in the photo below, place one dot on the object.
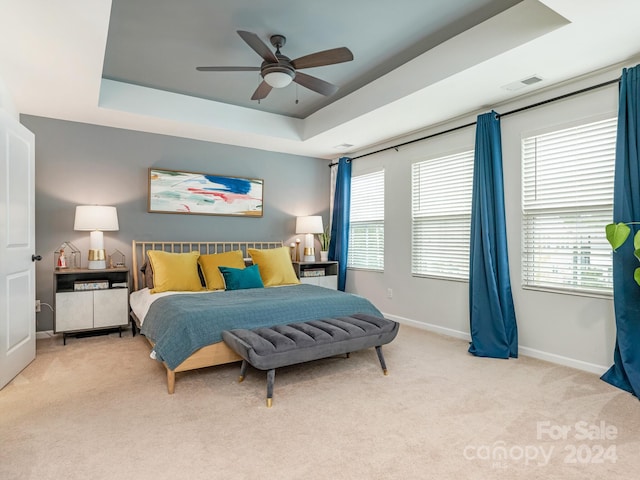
(278, 71)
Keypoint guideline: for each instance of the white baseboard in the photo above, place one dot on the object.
(44, 334)
(522, 350)
(430, 327)
(561, 360)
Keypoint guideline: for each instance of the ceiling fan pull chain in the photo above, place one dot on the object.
(259, 82)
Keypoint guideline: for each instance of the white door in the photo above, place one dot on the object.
(17, 244)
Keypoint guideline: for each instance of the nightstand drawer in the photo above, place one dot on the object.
(110, 308)
(74, 311)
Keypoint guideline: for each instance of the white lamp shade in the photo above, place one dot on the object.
(310, 224)
(96, 217)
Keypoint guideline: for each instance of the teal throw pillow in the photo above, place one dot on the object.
(240, 278)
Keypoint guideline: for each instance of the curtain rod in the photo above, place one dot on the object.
(511, 112)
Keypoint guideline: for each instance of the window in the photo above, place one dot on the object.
(441, 216)
(366, 230)
(567, 199)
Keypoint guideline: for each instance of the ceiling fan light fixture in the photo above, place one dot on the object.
(279, 79)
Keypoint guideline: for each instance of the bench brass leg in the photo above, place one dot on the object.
(243, 370)
(271, 376)
(381, 358)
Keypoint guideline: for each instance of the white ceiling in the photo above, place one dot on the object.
(407, 74)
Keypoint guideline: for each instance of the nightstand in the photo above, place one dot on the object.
(90, 301)
(323, 274)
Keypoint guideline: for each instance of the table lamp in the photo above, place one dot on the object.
(309, 226)
(96, 219)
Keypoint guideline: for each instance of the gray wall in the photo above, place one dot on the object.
(80, 164)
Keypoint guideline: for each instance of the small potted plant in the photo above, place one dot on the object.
(325, 239)
(617, 234)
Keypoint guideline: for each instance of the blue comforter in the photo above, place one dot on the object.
(181, 324)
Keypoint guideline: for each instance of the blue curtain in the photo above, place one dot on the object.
(339, 244)
(492, 315)
(625, 373)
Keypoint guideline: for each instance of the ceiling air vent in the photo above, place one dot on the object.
(343, 146)
(525, 82)
(531, 80)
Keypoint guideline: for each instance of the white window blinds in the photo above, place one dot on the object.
(366, 230)
(567, 199)
(441, 216)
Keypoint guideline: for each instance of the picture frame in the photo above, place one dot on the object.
(176, 191)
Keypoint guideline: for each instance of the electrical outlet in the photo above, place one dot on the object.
(37, 306)
(389, 293)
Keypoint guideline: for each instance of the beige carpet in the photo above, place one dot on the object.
(98, 409)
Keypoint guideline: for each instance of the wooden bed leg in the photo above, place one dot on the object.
(171, 381)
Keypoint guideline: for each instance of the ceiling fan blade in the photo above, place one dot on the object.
(315, 84)
(259, 46)
(262, 91)
(228, 69)
(326, 57)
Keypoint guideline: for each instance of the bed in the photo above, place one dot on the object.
(184, 328)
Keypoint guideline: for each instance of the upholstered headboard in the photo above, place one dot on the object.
(140, 248)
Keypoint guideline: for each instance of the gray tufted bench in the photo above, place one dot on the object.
(282, 345)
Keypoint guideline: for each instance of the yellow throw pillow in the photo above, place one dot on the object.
(210, 263)
(275, 266)
(174, 271)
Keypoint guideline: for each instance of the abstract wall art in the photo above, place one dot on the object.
(172, 191)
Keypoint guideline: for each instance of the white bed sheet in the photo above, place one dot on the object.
(141, 300)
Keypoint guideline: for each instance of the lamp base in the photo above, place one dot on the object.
(309, 254)
(97, 260)
(97, 265)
